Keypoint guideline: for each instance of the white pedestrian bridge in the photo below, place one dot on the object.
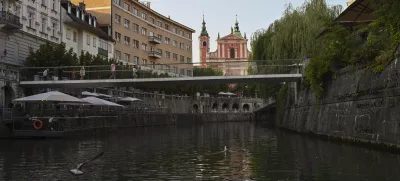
(266, 79)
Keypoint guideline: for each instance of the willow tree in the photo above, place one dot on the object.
(293, 36)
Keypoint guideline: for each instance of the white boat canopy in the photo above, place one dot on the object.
(100, 102)
(52, 96)
(86, 93)
(129, 99)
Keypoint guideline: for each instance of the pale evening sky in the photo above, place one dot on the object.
(220, 15)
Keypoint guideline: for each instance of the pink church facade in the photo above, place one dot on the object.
(230, 48)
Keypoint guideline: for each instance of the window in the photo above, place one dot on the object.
(135, 11)
(166, 26)
(152, 20)
(126, 6)
(136, 60)
(204, 43)
(167, 54)
(174, 29)
(117, 2)
(167, 40)
(151, 33)
(188, 48)
(126, 23)
(160, 37)
(144, 62)
(176, 70)
(181, 32)
(232, 52)
(118, 37)
(168, 68)
(135, 27)
(182, 72)
(144, 31)
(182, 46)
(127, 57)
(175, 56)
(88, 39)
(109, 48)
(144, 46)
(54, 5)
(104, 45)
(117, 18)
(68, 34)
(74, 36)
(174, 43)
(135, 44)
(189, 73)
(152, 64)
(31, 21)
(117, 55)
(188, 35)
(159, 23)
(182, 58)
(94, 42)
(144, 16)
(127, 40)
(44, 25)
(188, 60)
(54, 30)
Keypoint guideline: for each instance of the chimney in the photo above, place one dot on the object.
(82, 6)
(148, 4)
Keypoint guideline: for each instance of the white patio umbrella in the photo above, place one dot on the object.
(53, 96)
(104, 95)
(100, 102)
(129, 99)
(86, 93)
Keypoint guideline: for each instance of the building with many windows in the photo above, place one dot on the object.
(144, 37)
(83, 33)
(24, 26)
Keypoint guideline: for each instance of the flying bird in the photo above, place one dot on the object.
(78, 169)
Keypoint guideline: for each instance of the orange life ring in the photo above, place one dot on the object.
(37, 127)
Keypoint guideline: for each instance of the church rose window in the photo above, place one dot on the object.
(204, 43)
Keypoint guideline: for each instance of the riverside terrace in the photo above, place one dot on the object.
(100, 76)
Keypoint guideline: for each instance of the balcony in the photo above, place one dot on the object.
(102, 52)
(9, 20)
(154, 39)
(155, 54)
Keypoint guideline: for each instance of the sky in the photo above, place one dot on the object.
(220, 15)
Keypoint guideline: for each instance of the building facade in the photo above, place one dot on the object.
(24, 26)
(144, 37)
(231, 55)
(83, 33)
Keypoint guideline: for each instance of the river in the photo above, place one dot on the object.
(194, 153)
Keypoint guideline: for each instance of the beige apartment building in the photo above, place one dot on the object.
(144, 37)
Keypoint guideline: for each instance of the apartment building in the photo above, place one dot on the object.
(24, 26)
(83, 33)
(145, 37)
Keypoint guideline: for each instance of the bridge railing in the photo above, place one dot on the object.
(127, 72)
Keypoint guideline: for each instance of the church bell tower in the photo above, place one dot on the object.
(204, 44)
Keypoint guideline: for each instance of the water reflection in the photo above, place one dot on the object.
(196, 153)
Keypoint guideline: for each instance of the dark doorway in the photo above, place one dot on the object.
(232, 52)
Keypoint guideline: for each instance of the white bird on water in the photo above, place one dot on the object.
(225, 149)
(77, 170)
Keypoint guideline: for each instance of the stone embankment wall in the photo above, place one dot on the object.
(358, 105)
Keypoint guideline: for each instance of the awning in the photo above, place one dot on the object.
(358, 11)
(53, 96)
(129, 99)
(86, 93)
(100, 102)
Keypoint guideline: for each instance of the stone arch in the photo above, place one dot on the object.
(225, 106)
(235, 107)
(215, 107)
(8, 96)
(204, 43)
(195, 108)
(246, 107)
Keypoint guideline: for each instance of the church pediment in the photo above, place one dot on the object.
(231, 37)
